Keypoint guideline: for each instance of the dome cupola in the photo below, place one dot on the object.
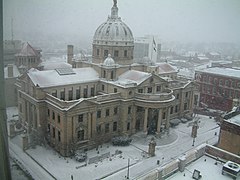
(109, 61)
(113, 37)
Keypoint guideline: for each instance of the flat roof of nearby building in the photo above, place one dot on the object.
(207, 167)
(235, 120)
(229, 72)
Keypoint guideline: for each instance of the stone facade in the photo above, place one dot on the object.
(84, 115)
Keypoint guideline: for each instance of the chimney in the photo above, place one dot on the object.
(10, 70)
(69, 54)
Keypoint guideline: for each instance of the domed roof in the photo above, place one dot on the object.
(113, 30)
(109, 61)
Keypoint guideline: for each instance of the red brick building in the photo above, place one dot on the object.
(218, 87)
(229, 138)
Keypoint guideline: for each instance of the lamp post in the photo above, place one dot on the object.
(128, 169)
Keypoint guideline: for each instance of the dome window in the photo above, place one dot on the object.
(117, 31)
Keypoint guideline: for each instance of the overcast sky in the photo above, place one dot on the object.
(177, 20)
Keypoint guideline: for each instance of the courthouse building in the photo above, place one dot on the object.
(87, 105)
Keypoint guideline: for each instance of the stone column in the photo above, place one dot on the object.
(94, 117)
(159, 120)
(168, 119)
(134, 120)
(145, 120)
(89, 125)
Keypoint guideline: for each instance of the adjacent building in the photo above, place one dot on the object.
(219, 87)
(229, 138)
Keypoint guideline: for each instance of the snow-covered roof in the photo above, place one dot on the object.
(133, 76)
(27, 50)
(166, 68)
(228, 72)
(235, 120)
(52, 78)
(54, 65)
(15, 71)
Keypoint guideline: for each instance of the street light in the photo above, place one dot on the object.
(128, 169)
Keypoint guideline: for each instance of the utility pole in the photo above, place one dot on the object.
(5, 172)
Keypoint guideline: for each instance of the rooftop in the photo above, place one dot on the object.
(228, 72)
(166, 68)
(206, 166)
(27, 50)
(132, 76)
(235, 119)
(52, 78)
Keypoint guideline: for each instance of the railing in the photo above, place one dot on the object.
(59, 102)
(163, 96)
(105, 97)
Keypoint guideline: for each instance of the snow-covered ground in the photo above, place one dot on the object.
(168, 147)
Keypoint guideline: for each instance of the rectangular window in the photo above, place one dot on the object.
(62, 95)
(107, 128)
(48, 112)
(164, 115)
(97, 52)
(92, 91)
(77, 93)
(171, 110)
(128, 126)
(140, 90)
(221, 82)
(149, 90)
(59, 136)
(116, 53)
(185, 106)
(129, 110)
(115, 90)
(53, 132)
(85, 92)
(158, 88)
(99, 114)
(186, 94)
(53, 115)
(54, 93)
(176, 108)
(59, 119)
(48, 128)
(105, 53)
(80, 135)
(107, 112)
(115, 110)
(114, 126)
(103, 88)
(111, 74)
(80, 118)
(99, 129)
(70, 95)
(125, 53)
(177, 96)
